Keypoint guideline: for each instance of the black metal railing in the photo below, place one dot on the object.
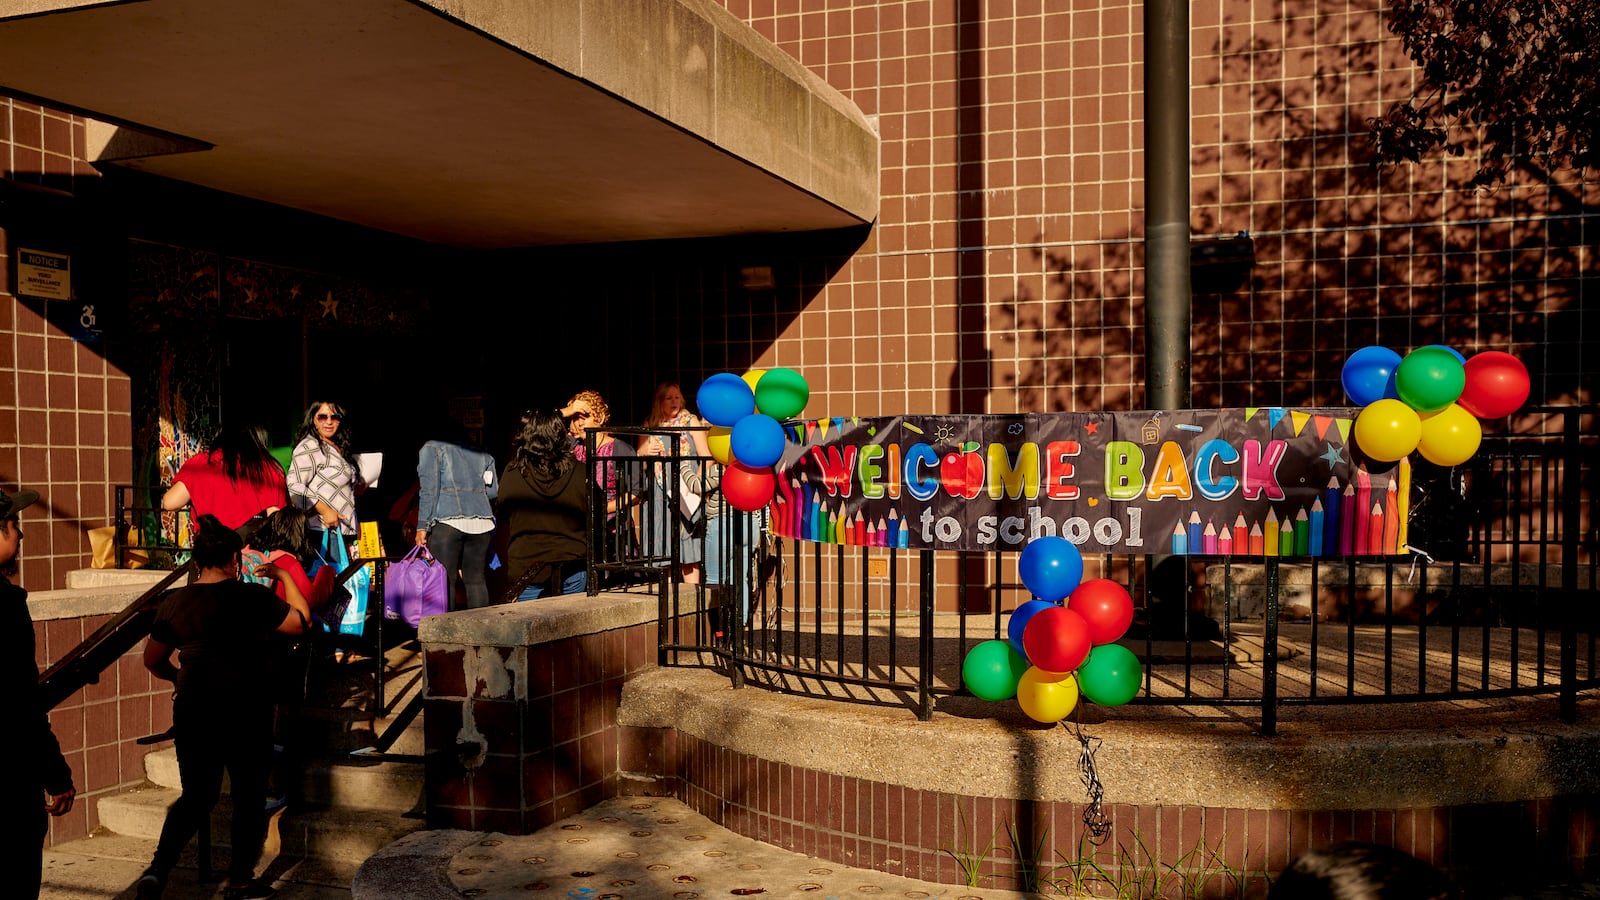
(84, 663)
(1499, 600)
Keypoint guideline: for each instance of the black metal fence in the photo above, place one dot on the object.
(1499, 599)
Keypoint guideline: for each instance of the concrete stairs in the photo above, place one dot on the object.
(341, 807)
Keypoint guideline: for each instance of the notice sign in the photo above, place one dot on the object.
(44, 275)
(1241, 482)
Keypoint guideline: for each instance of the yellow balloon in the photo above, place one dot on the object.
(753, 376)
(1387, 430)
(1046, 696)
(1450, 436)
(718, 437)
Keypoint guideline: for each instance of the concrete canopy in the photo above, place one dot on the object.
(469, 123)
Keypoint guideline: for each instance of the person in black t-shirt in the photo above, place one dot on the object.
(221, 630)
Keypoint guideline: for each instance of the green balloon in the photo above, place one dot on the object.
(782, 394)
(1110, 676)
(1430, 378)
(992, 669)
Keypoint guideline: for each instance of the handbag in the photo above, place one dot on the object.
(415, 586)
(346, 609)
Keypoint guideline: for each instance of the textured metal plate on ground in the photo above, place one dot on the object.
(644, 848)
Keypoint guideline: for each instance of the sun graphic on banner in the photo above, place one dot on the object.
(944, 434)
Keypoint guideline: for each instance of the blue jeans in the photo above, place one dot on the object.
(723, 541)
(574, 583)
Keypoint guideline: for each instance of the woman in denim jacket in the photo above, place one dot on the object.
(457, 484)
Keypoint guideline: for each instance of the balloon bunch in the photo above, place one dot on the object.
(1061, 643)
(1430, 400)
(744, 412)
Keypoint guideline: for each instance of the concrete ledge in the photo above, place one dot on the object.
(94, 592)
(416, 866)
(1324, 759)
(539, 621)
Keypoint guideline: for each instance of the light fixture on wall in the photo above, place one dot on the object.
(1221, 265)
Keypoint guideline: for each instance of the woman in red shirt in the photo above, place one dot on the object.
(235, 480)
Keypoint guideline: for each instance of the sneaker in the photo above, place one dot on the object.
(251, 890)
(150, 886)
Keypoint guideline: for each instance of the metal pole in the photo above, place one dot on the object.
(1166, 241)
(1167, 312)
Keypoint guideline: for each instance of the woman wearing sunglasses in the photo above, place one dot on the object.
(323, 475)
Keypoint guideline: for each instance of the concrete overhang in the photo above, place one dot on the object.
(469, 123)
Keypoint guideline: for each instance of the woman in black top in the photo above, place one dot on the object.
(544, 501)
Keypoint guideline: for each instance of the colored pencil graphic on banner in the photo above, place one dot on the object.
(883, 533)
(1258, 543)
(1363, 529)
(1348, 516)
(1391, 518)
(893, 540)
(1241, 535)
(1375, 530)
(1180, 540)
(1401, 538)
(1330, 510)
(1194, 533)
(1210, 537)
(1286, 538)
(861, 531)
(797, 523)
(1302, 532)
(1269, 534)
(1225, 542)
(1318, 522)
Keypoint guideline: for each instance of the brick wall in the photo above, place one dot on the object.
(65, 429)
(98, 725)
(544, 717)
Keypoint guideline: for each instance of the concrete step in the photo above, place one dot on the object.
(349, 782)
(345, 836)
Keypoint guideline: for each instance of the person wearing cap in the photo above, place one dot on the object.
(42, 782)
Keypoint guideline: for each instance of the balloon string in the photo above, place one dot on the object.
(1094, 814)
(1412, 574)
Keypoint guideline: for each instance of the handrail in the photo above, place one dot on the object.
(83, 664)
(1507, 631)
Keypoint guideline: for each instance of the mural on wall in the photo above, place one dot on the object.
(179, 300)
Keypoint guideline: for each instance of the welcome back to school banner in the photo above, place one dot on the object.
(1243, 482)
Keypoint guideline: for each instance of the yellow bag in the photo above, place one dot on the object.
(103, 548)
(369, 545)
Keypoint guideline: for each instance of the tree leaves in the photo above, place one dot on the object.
(1511, 80)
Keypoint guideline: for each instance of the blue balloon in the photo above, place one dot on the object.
(1051, 568)
(724, 399)
(757, 441)
(1453, 352)
(1019, 621)
(1368, 375)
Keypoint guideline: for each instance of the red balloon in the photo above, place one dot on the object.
(1497, 385)
(747, 489)
(1106, 608)
(1056, 640)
